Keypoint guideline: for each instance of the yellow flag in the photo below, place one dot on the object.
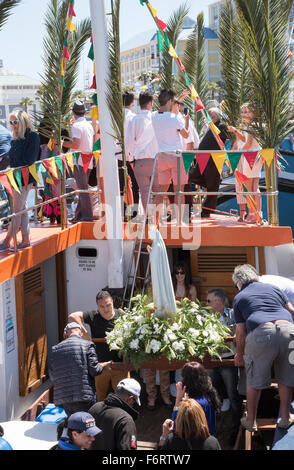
(94, 114)
(219, 160)
(62, 67)
(69, 159)
(214, 128)
(12, 181)
(49, 181)
(153, 11)
(194, 93)
(70, 25)
(97, 155)
(34, 173)
(53, 166)
(172, 52)
(267, 155)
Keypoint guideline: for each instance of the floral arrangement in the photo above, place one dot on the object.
(139, 336)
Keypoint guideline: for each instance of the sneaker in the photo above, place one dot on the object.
(249, 425)
(286, 423)
(226, 405)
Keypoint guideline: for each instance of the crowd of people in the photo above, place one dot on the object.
(147, 134)
(102, 400)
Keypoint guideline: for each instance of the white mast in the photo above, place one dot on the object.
(114, 226)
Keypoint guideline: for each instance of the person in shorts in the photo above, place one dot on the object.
(264, 335)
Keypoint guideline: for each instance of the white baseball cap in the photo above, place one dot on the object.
(131, 386)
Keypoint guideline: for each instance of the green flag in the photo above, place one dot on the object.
(97, 145)
(76, 156)
(59, 164)
(95, 99)
(187, 159)
(161, 47)
(17, 176)
(234, 159)
(91, 52)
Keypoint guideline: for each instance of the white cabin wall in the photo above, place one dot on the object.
(85, 279)
(280, 260)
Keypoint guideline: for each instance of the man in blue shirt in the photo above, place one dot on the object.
(264, 332)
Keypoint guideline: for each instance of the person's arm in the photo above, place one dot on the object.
(78, 317)
(240, 344)
(238, 134)
(290, 307)
(126, 434)
(94, 366)
(32, 147)
(186, 132)
(193, 293)
(72, 144)
(167, 428)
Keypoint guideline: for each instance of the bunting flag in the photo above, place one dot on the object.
(202, 160)
(71, 11)
(96, 155)
(69, 159)
(97, 145)
(65, 53)
(34, 173)
(172, 52)
(242, 178)
(17, 176)
(59, 164)
(161, 24)
(76, 156)
(5, 182)
(91, 52)
(188, 81)
(219, 160)
(70, 25)
(94, 113)
(46, 164)
(153, 11)
(183, 69)
(250, 157)
(234, 159)
(200, 105)
(194, 93)
(25, 176)
(214, 129)
(161, 42)
(268, 155)
(86, 158)
(12, 181)
(188, 160)
(63, 158)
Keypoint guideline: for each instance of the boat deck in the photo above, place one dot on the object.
(218, 230)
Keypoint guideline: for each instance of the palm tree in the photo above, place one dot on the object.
(25, 102)
(6, 7)
(55, 102)
(173, 30)
(264, 26)
(234, 64)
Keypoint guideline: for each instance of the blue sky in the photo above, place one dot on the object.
(21, 38)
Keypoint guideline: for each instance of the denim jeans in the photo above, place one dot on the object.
(19, 201)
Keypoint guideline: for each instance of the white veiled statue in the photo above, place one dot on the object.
(162, 286)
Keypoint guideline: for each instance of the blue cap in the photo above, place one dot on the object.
(4, 445)
(82, 421)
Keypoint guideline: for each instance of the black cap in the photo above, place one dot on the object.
(79, 107)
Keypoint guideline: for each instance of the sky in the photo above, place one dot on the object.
(21, 38)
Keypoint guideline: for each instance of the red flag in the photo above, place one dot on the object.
(65, 54)
(241, 178)
(182, 67)
(94, 85)
(49, 169)
(130, 193)
(25, 175)
(200, 105)
(71, 11)
(4, 181)
(63, 157)
(250, 157)
(202, 160)
(86, 158)
(220, 142)
(161, 24)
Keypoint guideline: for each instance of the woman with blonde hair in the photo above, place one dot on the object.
(191, 430)
(244, 142)
(24, 151)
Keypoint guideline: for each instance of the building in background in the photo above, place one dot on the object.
(13, 88)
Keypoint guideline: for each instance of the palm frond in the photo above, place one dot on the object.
(6, 7)
(264, 29)
(173, 30)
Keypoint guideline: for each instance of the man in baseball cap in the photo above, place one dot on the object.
(81, 432)
(132, 387)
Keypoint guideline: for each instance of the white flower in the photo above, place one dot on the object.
(134, 344)
(194, 333)
(175, 326)
(155, 345)
(205, 333)
(179, 346)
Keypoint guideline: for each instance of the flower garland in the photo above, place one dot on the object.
(139, 336)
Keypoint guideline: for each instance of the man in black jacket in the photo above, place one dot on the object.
(74, 364)
(116, 417)
(210, 179)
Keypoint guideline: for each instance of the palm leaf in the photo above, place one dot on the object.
(6, 7)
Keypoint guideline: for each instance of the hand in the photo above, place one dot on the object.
(231, 129)
(239, 360)
(181, 392)
(106, 365)
(149, 249)
(167, 427)
(184, 95)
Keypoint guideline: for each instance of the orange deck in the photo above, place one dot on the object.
(48, 240)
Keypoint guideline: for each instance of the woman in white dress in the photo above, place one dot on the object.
(245, 141)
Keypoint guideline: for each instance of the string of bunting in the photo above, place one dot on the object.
(164, 43)
(94, 113)
(50, 168)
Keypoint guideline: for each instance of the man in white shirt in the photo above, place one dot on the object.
(82, 141)
(286, 285)
(193, 141)
(169, 129)
(143, 146)
(128, 103)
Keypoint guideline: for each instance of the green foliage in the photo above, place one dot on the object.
(6, 7)
(140, 337)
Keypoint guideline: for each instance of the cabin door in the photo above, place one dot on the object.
(31, 324)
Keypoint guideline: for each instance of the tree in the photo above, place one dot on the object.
(25, 103)
(6, 7)
(55, 102)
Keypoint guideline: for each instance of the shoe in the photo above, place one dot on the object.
(286, 423)
(249, 425)
(74, 220)
(226, 405)
(3, 247)
(20, 246)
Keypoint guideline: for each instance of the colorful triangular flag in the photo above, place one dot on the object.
(202, 160)
(234, 159)
(34, 173)
(12, 181)
(219, 160)
(188, 159)
(161, 24)
(268, 155)
(250, 157)
(86, 158)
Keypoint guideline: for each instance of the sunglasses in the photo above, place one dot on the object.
(180, 272)
(13, 123)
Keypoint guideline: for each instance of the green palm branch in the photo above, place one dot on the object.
(194, 61)
(173, 30)
(264, 26)
(6, 7)
(55, 102)
(234, 64)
